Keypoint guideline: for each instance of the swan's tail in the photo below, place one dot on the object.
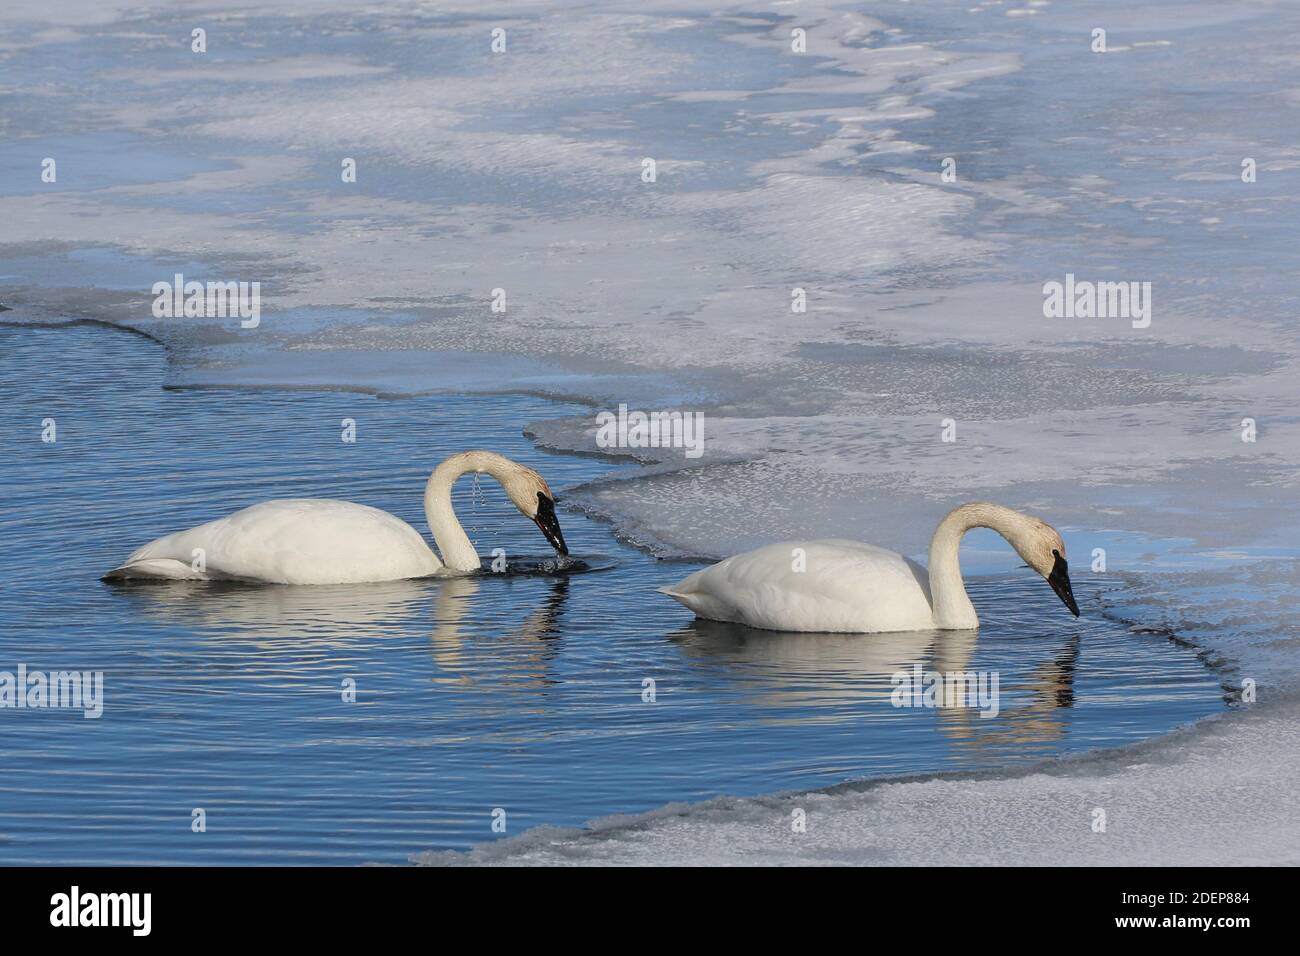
(687, 590)
(164, 569)
(702, 604)
(677, 593)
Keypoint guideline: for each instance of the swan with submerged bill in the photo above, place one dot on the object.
(324, 541)
(844, 586)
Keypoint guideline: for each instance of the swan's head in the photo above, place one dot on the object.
(533, 497)
(1041, 547)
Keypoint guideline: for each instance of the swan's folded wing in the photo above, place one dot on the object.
(829, 585)
(293, 541)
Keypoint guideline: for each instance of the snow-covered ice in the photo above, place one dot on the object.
(1217, 796)
(775, 171)
(1218, 793)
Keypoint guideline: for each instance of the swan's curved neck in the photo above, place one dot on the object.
(952, 607)
(454, 545)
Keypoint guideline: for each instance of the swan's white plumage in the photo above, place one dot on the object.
(291, 541)
(845, 587)
(323, 541)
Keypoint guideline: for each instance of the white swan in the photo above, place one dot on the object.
(322, 541)
(844, 586)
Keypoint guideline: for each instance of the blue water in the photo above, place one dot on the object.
(519, 692)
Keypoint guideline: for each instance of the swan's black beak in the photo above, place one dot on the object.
(549, 524)
(1059, 579)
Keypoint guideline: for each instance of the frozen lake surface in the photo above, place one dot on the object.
(516, 691)
(522, 171)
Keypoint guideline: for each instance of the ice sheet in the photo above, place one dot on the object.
(776, 171)
(1218, 796)
(1218, 793)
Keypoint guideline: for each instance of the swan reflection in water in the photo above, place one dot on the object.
(1039, 718)
(470, 649)
(280, 617)
(818, 678)
(473, 636)
(481, 639)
